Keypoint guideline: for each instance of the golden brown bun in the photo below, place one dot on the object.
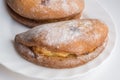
(35, 12)
(82, 38)
(46, 9)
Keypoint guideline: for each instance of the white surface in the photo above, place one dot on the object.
(107, 71)
(14, 62)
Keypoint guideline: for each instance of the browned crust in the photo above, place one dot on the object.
(57, 62)
(46, 9)
(32, 23)
(85, 45)
(89, 37)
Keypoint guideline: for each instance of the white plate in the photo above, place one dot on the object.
(10, 59)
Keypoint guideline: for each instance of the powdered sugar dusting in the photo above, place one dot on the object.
(65, 6)
(75, 6)
(60, 32)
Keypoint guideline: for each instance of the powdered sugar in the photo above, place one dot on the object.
(60, 32)
(59, 6)
(74, 6)
(65, 6)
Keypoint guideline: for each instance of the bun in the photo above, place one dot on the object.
(44, 11)
(63, 44)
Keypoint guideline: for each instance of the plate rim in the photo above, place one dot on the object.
(89, 69)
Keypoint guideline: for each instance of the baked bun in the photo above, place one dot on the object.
(63, 44)
(36, 12)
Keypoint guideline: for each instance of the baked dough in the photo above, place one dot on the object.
(36, 12)
(32, 23)
(63, 44)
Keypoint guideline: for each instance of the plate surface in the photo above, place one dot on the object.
(10, 59)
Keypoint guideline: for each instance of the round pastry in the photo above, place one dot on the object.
(63, 44)
(36, 12)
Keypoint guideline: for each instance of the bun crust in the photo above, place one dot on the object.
(57, 62)
(32, 23)
(46, 9)
(81, 38)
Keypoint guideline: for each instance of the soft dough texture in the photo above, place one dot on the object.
(35, 12)
(82, 38)
(46, 9)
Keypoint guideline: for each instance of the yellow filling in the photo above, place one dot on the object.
(49, 53)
